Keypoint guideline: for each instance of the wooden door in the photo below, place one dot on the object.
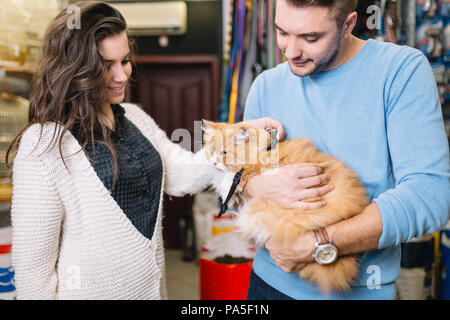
(176, 91)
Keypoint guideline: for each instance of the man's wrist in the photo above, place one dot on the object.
(325, 252)
(306, 247)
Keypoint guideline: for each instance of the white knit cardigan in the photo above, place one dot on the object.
(71, 240)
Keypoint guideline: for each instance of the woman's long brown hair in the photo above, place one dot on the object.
(69, 86)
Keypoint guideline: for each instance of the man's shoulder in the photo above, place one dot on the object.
(387, 52)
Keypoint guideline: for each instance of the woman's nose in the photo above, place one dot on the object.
(119, 75)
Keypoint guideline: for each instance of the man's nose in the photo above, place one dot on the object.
(293, 50)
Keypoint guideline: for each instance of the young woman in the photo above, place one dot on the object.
(89, 173)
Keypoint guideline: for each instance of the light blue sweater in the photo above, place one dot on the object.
(380, 114)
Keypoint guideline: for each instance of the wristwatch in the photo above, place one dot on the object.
(324, 252)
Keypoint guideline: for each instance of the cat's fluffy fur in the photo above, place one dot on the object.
(229, 146)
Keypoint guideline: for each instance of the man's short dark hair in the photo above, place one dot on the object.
(340, 9)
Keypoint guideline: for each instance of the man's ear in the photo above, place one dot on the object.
(350, 24)
(241, 135)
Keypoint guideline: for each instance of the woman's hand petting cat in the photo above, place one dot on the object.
(268, 124)
(295, 257)
(289, 186)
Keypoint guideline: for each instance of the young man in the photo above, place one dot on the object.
(374, 106)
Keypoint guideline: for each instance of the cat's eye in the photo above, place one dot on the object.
(224, 153)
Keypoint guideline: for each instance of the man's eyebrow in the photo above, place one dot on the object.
(121, 59)
(308, 34)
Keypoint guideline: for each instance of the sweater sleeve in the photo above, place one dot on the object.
(36, 215)
(185, 172)
(420, 201)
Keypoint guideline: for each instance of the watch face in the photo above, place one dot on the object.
(326, 254)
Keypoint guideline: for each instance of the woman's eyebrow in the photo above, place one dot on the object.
(121, 59)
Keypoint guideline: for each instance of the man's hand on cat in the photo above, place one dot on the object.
(289, 186)
(268, 124)
(292, 258)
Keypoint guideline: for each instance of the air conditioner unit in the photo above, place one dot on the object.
(154, 18)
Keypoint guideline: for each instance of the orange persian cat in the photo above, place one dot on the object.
(232, 147)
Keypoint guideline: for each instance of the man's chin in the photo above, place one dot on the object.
(301, 71)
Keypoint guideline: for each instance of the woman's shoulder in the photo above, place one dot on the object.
(132, 109)
(139, 117)
(39, 139)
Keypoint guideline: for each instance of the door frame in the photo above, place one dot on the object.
(211, 60)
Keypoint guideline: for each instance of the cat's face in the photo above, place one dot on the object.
(231, 146)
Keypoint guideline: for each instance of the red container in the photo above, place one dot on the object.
(5, 248)
(224, 281)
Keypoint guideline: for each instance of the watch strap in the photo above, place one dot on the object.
(321, 236)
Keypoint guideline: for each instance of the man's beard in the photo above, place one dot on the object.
(327, 61)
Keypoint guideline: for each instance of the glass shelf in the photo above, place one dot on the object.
(16, 69)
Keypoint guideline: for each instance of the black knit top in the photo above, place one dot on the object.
(138, 187)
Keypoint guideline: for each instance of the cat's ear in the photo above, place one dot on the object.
(241, 135)
(207, 127)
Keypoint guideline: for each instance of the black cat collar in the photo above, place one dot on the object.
(236, 181)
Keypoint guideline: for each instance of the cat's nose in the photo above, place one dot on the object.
(215, 163)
